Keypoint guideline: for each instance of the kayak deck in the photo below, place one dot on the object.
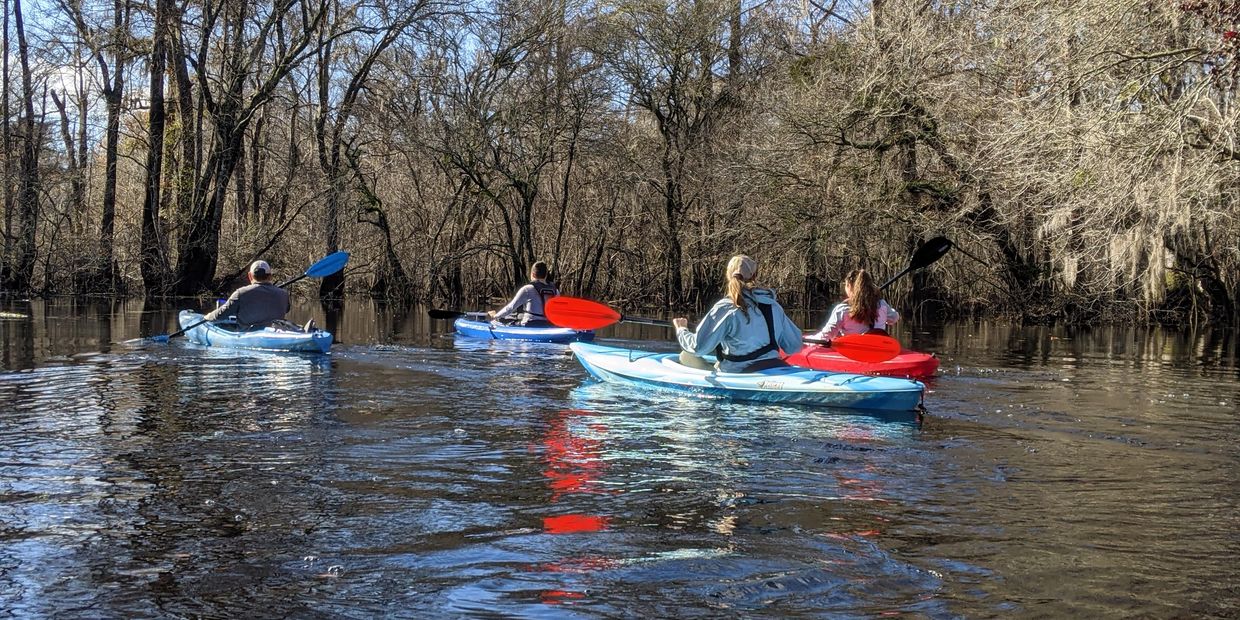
(909, 364)
(225, 334)
(789, 385)
(474, 325)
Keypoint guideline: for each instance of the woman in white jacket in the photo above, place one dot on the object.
(745, 330)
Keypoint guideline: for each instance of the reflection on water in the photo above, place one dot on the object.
(411, 473)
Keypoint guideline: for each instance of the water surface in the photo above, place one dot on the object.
(411, 473)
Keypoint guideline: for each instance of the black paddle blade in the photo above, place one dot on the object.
(929, 252)
(444, 314)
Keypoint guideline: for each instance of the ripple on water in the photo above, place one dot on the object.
(467, 478)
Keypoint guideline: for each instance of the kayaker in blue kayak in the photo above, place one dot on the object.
(258, 304)
(863, 309)
(529, 299)
(745, 330)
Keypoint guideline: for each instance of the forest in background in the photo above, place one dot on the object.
(1082, 154)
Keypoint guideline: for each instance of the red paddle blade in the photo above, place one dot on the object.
(577, 313)
(871, 348)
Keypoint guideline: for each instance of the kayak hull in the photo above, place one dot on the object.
(910, 364)
(265, 339)
(486, 330)
(797, 386)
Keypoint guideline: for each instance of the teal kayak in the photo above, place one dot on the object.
(790, 385)
(226, 334)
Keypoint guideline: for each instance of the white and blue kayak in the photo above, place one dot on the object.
(225, 333)
(788, 385)
(475, 325)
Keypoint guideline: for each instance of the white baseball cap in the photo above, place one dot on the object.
(260, 268)
(742, 267)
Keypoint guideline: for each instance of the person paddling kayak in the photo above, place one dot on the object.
(258, 304)
(862, 310)
(529, 299)
(745, 330)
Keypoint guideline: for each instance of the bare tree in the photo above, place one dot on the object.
(258, 44)
(362, 36)
(21, 276)
(670, 60)
(103, 43)
(154, 264)
(7, 188)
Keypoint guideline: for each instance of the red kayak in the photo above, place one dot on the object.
(909, 364)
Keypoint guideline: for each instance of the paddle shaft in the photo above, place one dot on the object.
(436, 313)
(643, 321)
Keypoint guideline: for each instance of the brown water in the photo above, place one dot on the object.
(410, 473)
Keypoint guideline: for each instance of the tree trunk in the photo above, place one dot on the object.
(83, 156)
(154, 269)
(6, 260)
(107, 221)
(187, 164)
(28, 169)
(328, 140)
(241, 186)
(564, 194)
(77, 190)
(256, 166)
(673, 282)
(332, 286)
(114, 92)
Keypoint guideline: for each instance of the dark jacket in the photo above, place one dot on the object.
(254, 305)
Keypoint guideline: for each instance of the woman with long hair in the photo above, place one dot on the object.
(746, 330)
(863, 308)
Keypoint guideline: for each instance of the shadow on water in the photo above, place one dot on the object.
(414, 473)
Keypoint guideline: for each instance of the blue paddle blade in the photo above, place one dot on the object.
(328, 265)
(162, 338)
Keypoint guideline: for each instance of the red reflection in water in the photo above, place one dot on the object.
(561, 597)
(573, 524)
(573, 465)
(572, 461)
(856, 487)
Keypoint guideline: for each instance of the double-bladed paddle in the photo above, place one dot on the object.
(579, 313)
(326, 266)
(576, 313)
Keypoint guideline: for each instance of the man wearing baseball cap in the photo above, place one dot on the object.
(259, 304)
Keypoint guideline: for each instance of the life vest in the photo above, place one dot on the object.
(768, 314)
(544, 293)
(544, 290)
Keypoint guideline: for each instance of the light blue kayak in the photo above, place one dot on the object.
(778, 385)
(475, 325)
(225, 334)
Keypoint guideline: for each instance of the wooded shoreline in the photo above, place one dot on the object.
(1081, 155)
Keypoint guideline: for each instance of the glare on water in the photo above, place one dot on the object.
(411, 473)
